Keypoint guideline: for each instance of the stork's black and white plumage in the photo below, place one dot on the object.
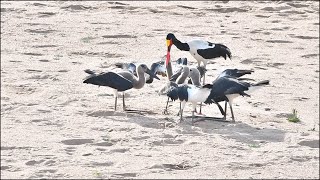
(227, 89)
(120, 81)
(179, 78)
(236, 74)
(189, 93)
(202, 51)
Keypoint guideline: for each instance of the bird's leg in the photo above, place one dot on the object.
(192, 117)
(115, 103)
(179, 110)
(220, 108)
(123, 103)
(166, 109)
(231, 112)
(194, 105)
(200, 111)
(180, 113)
(225, 110)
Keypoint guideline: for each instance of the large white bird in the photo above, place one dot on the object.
(202, 51)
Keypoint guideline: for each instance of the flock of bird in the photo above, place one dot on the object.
(184, 82)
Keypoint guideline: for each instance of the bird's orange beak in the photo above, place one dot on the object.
(169, 44)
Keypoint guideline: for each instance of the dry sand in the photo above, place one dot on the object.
(54, 126)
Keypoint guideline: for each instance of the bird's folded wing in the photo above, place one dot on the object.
(110, 79)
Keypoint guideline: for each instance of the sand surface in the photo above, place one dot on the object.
(55, 126)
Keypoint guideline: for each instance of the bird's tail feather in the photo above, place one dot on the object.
(257, 86)
(227, 51)
(262, 83)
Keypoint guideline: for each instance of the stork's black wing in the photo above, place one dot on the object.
(224, 86)
(178, 92)
(234, 73)
(110, 79)
(218, 50)
(173, 93)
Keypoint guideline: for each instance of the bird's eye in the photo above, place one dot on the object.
(190, 69)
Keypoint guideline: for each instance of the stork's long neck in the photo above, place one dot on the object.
(195, 80)
(183, 76)
(180, 45)
(140, 81)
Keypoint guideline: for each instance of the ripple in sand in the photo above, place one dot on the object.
(76, 141)
(44, 46)
(39, 31)
(103, 144)
(262, 16)
(227, 10)
(274, 64)
(310, 55)
(39, 4)
(305, 37)
(104, 164)
(13, 147)
(46, 14)
(301, 158)
(33, 162)
(5, 167)
(119, 36)
(33, 54)
(124, 175)
(102, 54)
(310, 143)
(250, 61)
(77, 7)
(118, 3)
(297, 5)
(186, 7)
(174, 166)
(278, 41)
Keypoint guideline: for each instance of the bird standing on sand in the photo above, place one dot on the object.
(120, 81)
(228, 88)
(202, 51)
(236, 74)
(184, 73)
(189, 93)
